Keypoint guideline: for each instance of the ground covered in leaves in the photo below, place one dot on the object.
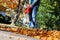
(35, 33)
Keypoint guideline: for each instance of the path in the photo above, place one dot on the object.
(4, 35)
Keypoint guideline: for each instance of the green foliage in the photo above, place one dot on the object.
(49, 14)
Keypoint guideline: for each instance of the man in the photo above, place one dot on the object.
(34, 4)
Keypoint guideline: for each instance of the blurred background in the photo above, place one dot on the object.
(48, 16)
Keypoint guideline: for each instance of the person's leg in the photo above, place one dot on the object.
(34, 13)
(30, 19)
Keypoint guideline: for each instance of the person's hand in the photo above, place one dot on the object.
(30, 6)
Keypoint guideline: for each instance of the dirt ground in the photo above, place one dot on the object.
(35, 33)
(4, 35)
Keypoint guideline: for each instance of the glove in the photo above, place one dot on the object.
(28, 10)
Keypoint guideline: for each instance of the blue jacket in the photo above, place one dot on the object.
(34, 2)
(31, 1)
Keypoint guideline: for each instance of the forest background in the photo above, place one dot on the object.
(48, 15)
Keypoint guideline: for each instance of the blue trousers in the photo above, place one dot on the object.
(32, 16)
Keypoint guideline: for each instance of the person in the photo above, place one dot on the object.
(25, 13)
(34, 4)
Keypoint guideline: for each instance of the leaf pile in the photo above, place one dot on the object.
(9, 3)
(35, 33)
